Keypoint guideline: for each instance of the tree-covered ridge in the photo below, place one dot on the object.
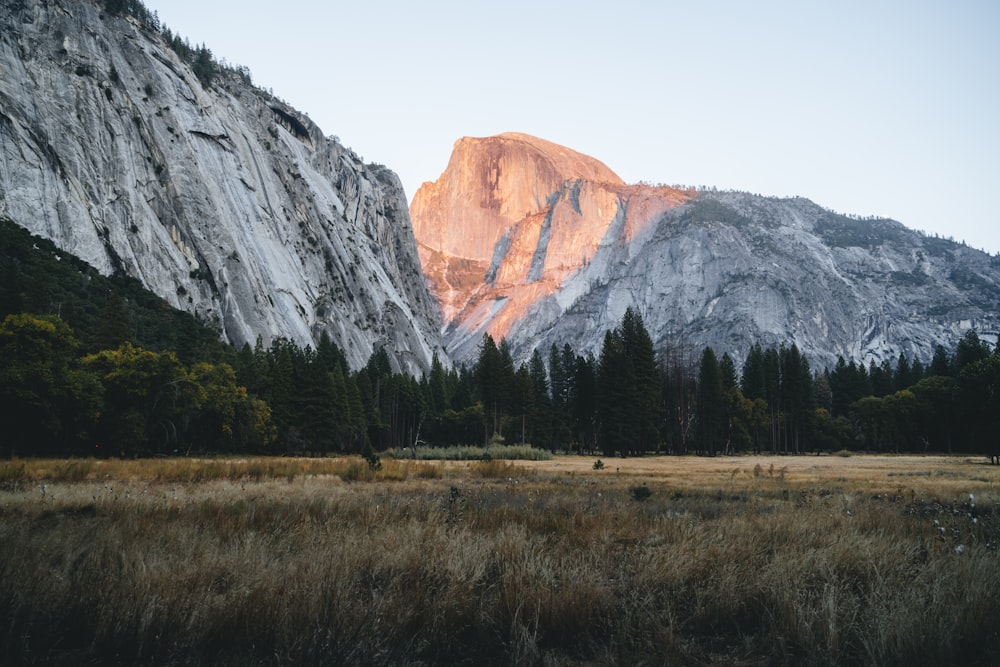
(198, 57)
(104, 312)
(843, 231)
(36, 277)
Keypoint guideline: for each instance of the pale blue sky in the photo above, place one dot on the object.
(870, 108)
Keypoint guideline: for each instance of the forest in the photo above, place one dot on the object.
(96, 366)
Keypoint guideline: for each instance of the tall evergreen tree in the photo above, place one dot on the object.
(773, 395)
(677, 384)
(935, 411)
(559, 383)
(647, 411)
(439, 393)
(489, 381)
(507, 385)
(616, 390)
(799, 402)
(883, 378)
(752, 382)
(585, 402)
(940, 363)
(541, 423)
(710, 424)
(979, 404)
(970, 350)
(727, 372)
(523, 401)
(903, 376)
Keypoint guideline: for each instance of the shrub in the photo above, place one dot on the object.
(641, 492)
(373, 460)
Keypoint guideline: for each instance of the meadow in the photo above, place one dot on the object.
(659, 560)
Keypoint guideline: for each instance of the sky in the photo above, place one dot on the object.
(883, 108)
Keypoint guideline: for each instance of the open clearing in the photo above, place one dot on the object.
(681, 560)
(883, 473)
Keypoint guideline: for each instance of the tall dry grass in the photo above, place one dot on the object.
(15, 473)
(500, 566)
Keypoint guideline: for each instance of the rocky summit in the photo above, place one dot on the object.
(218, 196)
(535, 243)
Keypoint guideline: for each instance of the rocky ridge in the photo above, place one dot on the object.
(541, 246)
(222, 199)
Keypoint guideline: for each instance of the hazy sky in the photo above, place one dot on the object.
(870, 108)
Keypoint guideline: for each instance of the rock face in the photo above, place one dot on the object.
(489, 187)
(539, 245)
(222, 199)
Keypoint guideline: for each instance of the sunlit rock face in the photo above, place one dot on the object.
(510, 221)
(223, 200)
(540, 245)
(491, 185)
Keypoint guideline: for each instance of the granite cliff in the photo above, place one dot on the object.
(219, 197)
(540, 245)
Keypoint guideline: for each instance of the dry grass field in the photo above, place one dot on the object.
(667, 560)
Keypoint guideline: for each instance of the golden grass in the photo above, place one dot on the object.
(872, 560)
(883, 474)
(195, 470)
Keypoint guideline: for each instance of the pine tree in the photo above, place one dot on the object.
(541, 412)
(678, 387)
(797, 397)
(710, 415)
(523, 400)
(616, 391)
(773, 396)
(903, 376)
(489, 372)
(647, 411)
(557, 385)
(585, 402)
(970, 350)
(752, 382)
(940, 363)
(439, 398)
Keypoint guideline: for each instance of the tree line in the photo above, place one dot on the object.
(630, 400)
(95, 365)
(282, 398)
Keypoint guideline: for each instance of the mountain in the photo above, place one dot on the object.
(217, 196)
(535, 243)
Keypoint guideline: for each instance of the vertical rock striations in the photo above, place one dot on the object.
(220, 198)
(534, 243)
(510, 223)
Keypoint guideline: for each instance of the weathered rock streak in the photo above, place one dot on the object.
(223, 200)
